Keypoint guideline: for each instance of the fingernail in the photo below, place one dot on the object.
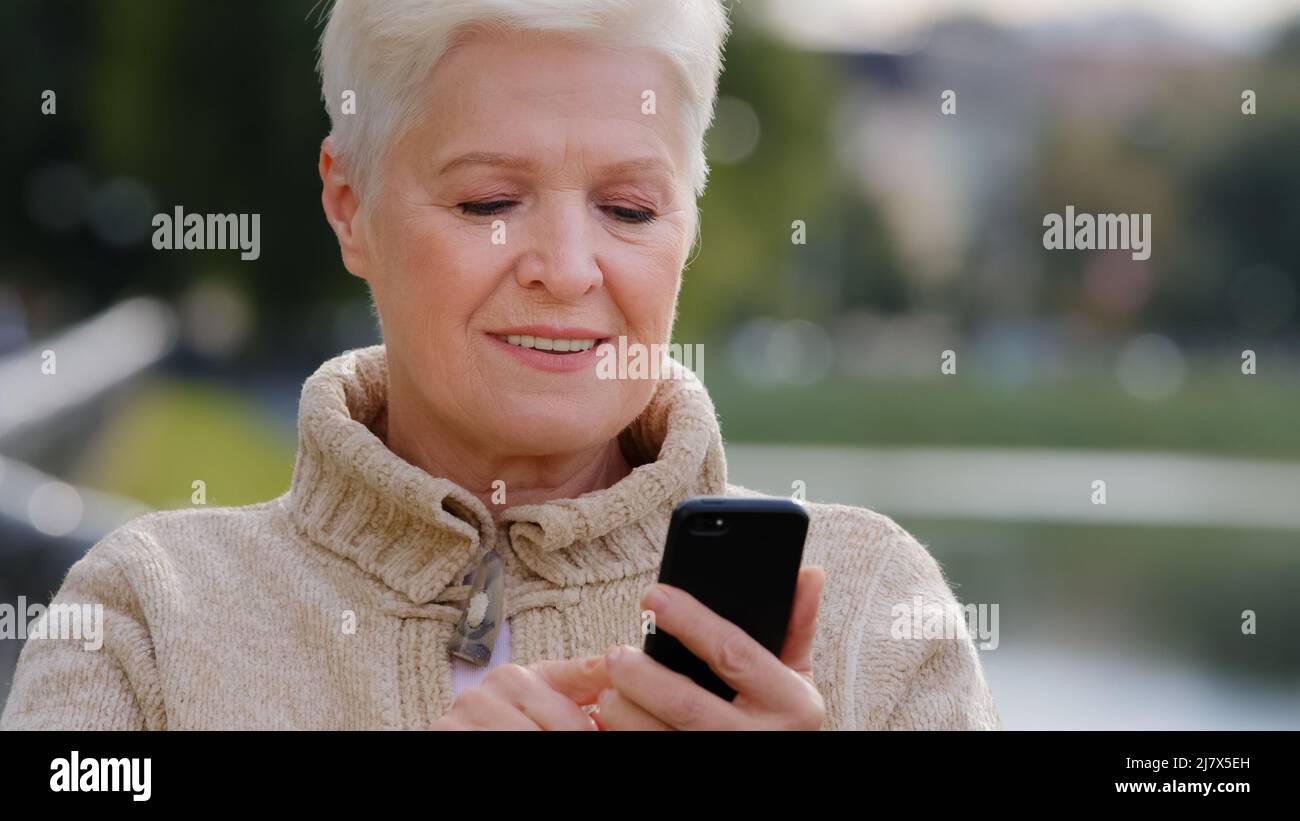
(656, 600)
(613, 653)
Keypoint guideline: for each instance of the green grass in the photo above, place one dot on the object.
(168, 434)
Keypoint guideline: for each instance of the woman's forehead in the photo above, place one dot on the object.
(528, 97)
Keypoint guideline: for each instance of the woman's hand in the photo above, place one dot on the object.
(772, 693)
(541, 696)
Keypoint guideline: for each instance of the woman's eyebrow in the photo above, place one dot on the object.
(653, 165)
(488, 158)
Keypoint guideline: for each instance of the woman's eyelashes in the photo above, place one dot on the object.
(622, 213)
(485, 209)
(629, 214)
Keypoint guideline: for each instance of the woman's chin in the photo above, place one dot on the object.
(539, 433)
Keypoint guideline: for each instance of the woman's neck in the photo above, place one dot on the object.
(499, 480)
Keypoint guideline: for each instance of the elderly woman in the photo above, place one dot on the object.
(516, 182)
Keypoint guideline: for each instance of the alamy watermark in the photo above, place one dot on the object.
(917, 620)
(77, 774)
(210, 232)
(61, 620)
(636, 360)
(1100, 232)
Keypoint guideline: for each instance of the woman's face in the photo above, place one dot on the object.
(534, 199)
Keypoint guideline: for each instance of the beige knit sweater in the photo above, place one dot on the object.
(331, 606)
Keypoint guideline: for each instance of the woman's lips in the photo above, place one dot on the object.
(553, 332)
(531, 350)
(546, 343)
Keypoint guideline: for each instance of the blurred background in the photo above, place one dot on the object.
(923, 234)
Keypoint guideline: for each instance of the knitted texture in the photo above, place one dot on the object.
(331, 606)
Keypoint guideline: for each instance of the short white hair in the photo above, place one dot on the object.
(383, 51)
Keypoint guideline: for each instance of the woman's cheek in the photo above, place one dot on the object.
(667, 284)
(653, 275)
(438, 266)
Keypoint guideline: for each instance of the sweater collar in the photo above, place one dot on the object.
(419, 532)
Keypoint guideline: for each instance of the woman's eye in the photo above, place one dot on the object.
(485, 209)
(630, 214)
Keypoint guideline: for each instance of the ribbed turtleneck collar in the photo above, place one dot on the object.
(417, 532)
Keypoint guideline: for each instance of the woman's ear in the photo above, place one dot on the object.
(343, 210)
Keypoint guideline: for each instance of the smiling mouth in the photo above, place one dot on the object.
(548, 344)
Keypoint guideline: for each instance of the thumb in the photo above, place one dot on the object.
(796, 653)
(580, 680)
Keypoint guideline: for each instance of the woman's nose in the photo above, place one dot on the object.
(563, 257)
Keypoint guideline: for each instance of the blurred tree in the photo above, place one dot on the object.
(1245, 196)
(747, 263)
(1223, 189)
(212, 106)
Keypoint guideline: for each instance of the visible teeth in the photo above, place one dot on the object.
(543, 343)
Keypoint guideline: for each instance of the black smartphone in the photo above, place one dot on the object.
(739, 557)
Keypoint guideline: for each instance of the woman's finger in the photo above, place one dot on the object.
(669, 696)
(532, 695)
(796, 653)
(580, 679)
(480, 708)
(615, 712)
(736, 657)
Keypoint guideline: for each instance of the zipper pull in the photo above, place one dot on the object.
(484, 610)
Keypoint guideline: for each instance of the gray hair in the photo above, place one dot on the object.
(383, 50)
